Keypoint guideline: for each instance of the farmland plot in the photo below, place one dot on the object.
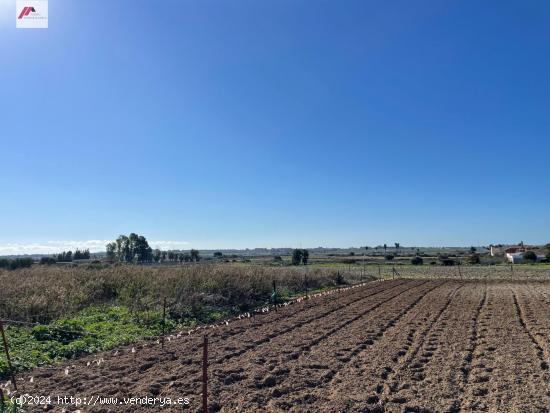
(392, 346)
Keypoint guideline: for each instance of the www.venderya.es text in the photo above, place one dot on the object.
(95, 400)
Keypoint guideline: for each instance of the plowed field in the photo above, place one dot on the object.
(391, 346)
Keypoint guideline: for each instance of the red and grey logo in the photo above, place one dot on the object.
(26, 11)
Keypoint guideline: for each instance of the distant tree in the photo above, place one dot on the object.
(47, 261)
(305, 256)
(130, 248)
(529, 257)
(352, 253)
(389, 257)
(141, 249)
(81, 255)
(65, 256)
(195, 257)
(473, 249)
(157, 254)
(547, 247)
(111, 249)
(397, 247)
(385, 248)
(218, 254)
(296, 257)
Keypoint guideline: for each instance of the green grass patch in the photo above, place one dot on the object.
(93, 329)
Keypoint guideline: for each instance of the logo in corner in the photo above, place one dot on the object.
(26, 11)
(31, 14)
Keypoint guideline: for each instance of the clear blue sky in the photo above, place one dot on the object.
(277, 123)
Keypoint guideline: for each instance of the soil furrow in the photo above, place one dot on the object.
(390, 385)
(398, 346)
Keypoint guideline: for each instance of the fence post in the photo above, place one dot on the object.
(379, 275)
(163, 321)
(205, 375)
(274, 295)
(305, 283)
(6, 349)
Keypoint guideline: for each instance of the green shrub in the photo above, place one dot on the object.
(389, 257)
(417, 261)
(64, 332)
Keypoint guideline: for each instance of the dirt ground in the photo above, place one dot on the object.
(388, 346)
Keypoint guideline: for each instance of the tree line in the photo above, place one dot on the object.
(69, 256)
(12, 264)
(135, 248)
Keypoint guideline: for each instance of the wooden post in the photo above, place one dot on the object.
(163, 320)
(6, 350)
(274, 295)
(205, 375)
(305, 283)
(379, 275)
(363, 269)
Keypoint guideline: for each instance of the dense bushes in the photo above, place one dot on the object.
(47, 261)
(417, 260)
(15, 263)
(43, 293)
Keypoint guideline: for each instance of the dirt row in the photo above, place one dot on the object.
(392, 346)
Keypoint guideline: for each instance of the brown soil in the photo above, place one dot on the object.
(392, 346)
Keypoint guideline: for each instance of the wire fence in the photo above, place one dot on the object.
(9, 388)
(356, 278)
